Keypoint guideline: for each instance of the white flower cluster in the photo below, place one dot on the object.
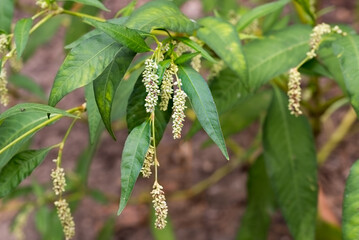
(4, 96)
(150, 80)
(179, 105)
(317, 35)
(42, 4)
(160, 206)
(67, 222)
(3, 43)
(148, 162)
(167, 86)
(58, 180)
(294, 92)
(216, 69)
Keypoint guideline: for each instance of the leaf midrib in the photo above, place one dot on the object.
(203, 106)
(290, 151)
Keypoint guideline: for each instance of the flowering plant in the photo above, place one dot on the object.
(151, 61)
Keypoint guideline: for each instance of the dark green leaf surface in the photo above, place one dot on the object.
(93, 114)
(6, 14)
(28, 84)
(203, 104)
(289, 151)
(83, 64)
(106, 85)
(347, 49)
(351, 205)
(133, 155)
(258, 12)
(223, 38)
(160, 14)
(94, 3)
(136, 111)
(122, 34)
(275, 54)
(19, 167)
(21, 35)
(255, 222)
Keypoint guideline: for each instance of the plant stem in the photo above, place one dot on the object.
(337, 136)
(82, 15)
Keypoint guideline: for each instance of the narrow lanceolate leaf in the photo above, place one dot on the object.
(202, 102)
(106, 85)
(94, 3)
(19, 167)
(185, 58)
(133, 155)
(255, 222)
(258, 12)
(21, 34)
(136, 111)
(93, 114)
(83, 64)
(18, 128)
(347, 49)
(160, 14)
(196, 47)
(223, 38)
(275, 54)
(289, 151)
(351, 205)
(6, 14)
(29, 108)
(122, 34)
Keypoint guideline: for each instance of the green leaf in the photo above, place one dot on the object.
(94, 3)
(203, 104)
(126, 36)
(223, 38)
(289, 151)
(42, 35)
(133, 155)
(257, 217)
(166, 233)
(48, 224)
(93, 114)
(18, 126)
(196, 47)
(327, 231)
(29, 108)
(122, 96)
(185, 58)
(28, 84)
(275, 54)
(160, 14)
(347, 50)
(6, 14)
(106, 85)
(308, 8)
(258, 12)
(136, 111)
(19, 167)
(351, 205)
(83, 65)
(21, 35)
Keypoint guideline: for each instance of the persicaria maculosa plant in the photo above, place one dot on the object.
(147, 65)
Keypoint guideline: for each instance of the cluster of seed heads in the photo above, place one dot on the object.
(67, 222)
(4, 96)
(179, 105)
(167, 86)
(148, 162)
(42, 4)
(160, 205)
(294, 92)
(150, 80)
(3, 43)
(58, 180)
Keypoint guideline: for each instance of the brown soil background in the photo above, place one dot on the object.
(212, 215)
